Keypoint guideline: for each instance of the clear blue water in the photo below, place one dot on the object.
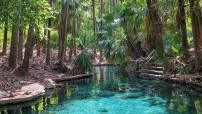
(111, 93)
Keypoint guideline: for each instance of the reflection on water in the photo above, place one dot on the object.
(109, 92)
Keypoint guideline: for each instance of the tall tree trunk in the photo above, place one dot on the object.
(156, 25)
(150, 38)
(94, 26)
(101, 27)
(71, 45)
(25, 65)
(4, 51)
(32, 49)
(38, 44)
(44, 42)
(20, 45)
(48, 43)
(14, 44)
(63, 30)
(197, 33)
(75, 27)
(111, 7)
(74, 37)
(182, 23)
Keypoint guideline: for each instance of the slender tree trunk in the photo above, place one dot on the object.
(14, 44)
(101, 14)
(71, 46)
(4, 51)
(101, 26)
(182, 23)
(63, 30)
(94, 26)
(25, 65)
(113, 3)
(48, 43)
(74, 39)
(44, 42)
(156, 25)
(75, 28)
(20, 45)
(197, 33)
(32, 49)
(111, 6)
(150, 38)
(65, 48)
(38, 44)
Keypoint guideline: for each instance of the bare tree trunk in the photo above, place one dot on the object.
(94, 26)
(4, 51)
(32, 49)
(101, 27)
(197, 34)
(74, 29)
(150, 37)
(182, 23)
(14, 44)
(20, 45)
(38, 44)
(65, 48)
(44, 42)
(25, 65)
(71, 47)
(156, 25)
(74, 38)
(48, 43)
(63, 30)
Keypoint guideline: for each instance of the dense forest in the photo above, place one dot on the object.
(71, 35)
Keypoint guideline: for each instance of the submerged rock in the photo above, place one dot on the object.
(103, 110)
(106, 94)
(132, 96)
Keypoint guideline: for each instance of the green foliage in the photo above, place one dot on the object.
(107, 46)
(85, 39)
(83, 62)
(109, 18)
(2, 36)
(119, 55)
(173, 44)
(54, 39)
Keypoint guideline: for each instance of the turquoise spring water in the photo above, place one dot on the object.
(108, 92)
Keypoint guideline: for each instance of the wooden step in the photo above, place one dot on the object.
(157, 64)
(155, 72)
(150, 75)
(156, 68)
(151, 72)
